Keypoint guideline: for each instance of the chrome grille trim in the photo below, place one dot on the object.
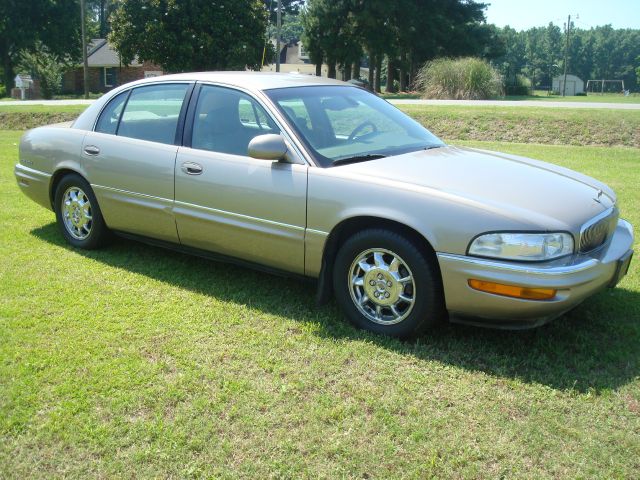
(598, 230)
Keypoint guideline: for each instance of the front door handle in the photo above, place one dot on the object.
(91, 150)
(191, 168)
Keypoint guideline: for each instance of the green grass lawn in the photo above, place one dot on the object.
(590, 98)
(53, 109)
(134, 361)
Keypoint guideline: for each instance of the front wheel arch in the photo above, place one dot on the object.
(386, 283)
(350, 227)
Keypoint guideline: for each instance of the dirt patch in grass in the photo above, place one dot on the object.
(531, 125)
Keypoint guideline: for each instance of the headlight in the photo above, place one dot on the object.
(531, 247)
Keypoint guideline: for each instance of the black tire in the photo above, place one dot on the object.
(94, 233)
(425, 289)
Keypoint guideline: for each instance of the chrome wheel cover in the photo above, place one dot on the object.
(381, 286)
(76, 213)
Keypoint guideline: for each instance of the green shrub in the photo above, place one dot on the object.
(461, 79)
(581, 94)
(44, 66)
(3, 91)
(522, 81)
(521, 86)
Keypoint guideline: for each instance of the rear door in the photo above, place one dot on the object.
(228, 202)
(130, 159)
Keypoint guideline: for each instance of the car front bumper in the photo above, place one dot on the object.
(575, 278)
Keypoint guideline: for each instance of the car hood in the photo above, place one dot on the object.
(546, 195)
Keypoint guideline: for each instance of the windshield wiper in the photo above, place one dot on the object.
(358, 158)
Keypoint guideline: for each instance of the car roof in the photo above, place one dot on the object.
(249, 80)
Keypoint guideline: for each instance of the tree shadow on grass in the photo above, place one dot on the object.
(596, 347)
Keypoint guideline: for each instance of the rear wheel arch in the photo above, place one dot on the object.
(57, 176)
(349, 227)
(77, 212)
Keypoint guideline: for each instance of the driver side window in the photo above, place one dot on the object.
(226, 120)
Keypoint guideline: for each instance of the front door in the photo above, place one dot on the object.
(230, 203)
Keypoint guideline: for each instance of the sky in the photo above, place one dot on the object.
(522, 15)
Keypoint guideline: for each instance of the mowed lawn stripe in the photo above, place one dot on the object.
(137, 361)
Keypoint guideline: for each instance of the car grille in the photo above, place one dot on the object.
(596, 232)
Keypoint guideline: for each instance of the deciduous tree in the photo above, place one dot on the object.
(55, 23)
(597, 53)
(191, 35)
(406, 32)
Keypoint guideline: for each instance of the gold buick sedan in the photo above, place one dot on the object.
(320, 179)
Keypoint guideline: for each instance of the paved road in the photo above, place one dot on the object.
(521, 103)
(467, 103)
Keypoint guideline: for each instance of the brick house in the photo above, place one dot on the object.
(106, 70)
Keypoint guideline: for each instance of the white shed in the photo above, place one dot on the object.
(574, 85)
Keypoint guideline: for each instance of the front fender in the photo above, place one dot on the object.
(448, 222)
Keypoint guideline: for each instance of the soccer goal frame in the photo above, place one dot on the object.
(600, 86)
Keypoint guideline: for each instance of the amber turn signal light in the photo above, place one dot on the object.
(513, 291)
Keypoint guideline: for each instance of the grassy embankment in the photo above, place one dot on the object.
(520, 125)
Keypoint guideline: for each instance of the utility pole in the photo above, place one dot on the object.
(566, 57)
(85, 63)
(278, 31)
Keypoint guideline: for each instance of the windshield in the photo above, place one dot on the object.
(340, 124)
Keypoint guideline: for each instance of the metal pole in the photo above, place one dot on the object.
(566, 57)
(278, 30)
(85, 63)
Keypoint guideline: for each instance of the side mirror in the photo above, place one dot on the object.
(268, 147)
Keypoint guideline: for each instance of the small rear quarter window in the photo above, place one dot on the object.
(110, 116)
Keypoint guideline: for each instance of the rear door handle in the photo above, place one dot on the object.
(191, 168)
(91, 150)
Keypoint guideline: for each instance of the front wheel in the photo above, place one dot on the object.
(78, 214)
(386, 284)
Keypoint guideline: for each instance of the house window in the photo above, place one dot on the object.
(109, 76)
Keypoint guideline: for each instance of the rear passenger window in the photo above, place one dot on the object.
(152, 113)
(108, 121)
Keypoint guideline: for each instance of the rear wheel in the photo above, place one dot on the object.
(78, 214)
(386, 284)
